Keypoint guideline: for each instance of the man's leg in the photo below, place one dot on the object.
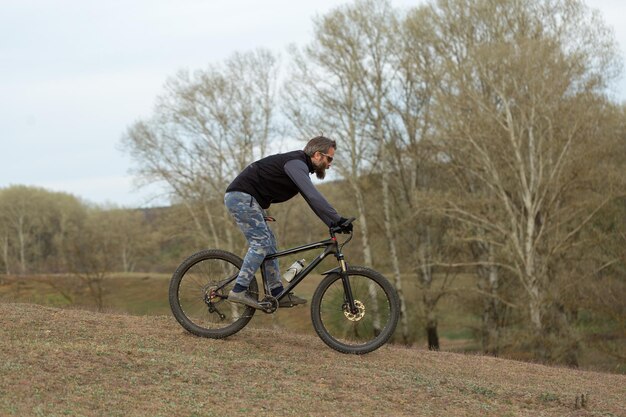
(272, 268)
(274, 279)
(250, 219)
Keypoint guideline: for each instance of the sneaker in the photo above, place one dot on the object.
(291, 300)
(243, 298)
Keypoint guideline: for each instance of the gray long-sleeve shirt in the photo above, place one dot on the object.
(298, 172)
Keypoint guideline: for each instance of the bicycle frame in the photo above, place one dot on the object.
(331, 246)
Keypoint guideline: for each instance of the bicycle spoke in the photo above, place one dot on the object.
(198, 295)
(362, 330)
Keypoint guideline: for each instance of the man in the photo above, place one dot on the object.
(275, 179)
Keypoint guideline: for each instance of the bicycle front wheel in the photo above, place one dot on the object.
(198, 291)
(371, 327)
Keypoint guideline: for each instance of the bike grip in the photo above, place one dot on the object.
(348, 221)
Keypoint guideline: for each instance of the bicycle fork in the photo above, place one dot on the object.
(347, 290)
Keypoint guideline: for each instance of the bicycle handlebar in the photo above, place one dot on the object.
(339, 227)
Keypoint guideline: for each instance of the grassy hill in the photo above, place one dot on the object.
(57, 362)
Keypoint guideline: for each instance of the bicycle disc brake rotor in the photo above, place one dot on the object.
(354, 317)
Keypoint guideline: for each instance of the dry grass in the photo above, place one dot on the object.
(59, 362)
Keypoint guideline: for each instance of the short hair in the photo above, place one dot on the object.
(319, 144)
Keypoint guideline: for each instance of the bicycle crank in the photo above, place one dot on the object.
(269, 304)
(356, 316)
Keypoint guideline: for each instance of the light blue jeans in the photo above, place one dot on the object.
(261, 240)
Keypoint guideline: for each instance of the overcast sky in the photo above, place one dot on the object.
(75, 73)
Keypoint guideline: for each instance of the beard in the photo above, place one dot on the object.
(320, 171)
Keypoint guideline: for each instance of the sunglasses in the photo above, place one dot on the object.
(330, 158)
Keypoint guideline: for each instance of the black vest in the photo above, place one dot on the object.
(266, 180)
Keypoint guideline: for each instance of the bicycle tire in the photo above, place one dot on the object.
(366, 331)
(190, 295)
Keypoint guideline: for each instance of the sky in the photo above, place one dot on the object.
(74, 74)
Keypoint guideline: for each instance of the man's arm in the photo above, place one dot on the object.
(298, 172)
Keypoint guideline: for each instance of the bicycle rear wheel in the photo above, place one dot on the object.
(374, 323)
(198, 291)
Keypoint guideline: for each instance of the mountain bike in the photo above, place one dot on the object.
(353, 310)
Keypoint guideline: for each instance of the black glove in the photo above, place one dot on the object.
(344, 228)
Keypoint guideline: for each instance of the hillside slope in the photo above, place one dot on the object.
(72, 362)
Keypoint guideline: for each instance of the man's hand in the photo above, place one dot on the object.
(345, 225)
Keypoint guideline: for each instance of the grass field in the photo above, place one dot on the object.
(147, 294)
(59, 362)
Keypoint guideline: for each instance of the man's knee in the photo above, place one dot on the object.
(262, 249)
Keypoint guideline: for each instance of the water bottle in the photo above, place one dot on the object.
(293, 270)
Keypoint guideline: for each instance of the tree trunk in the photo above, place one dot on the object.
(489, 284)
(491, 322)
(568, 345)
(124, 259)
(393, 253)
(426, 279)
(367, 250)
(535, 306)
(201, 232)
(5, 254)
(214, 233)
(22, 242)
(96, 288)
(431, 324)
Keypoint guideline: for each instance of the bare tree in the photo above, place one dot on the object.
(19, 221)
(411, 157)
(4, 240)
(133, 238)
(322, 94)
(5, 255)
(518, 111)
(207, 127)
(31, 222)
(91, 253)
(344, 76)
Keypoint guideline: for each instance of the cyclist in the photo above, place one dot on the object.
(275, 179)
